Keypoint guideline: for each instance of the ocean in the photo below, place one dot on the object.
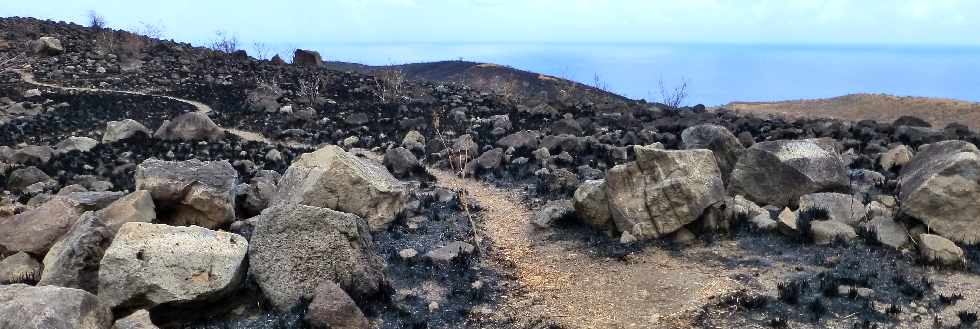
(716, 73)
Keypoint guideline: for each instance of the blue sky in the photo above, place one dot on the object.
(863, 22)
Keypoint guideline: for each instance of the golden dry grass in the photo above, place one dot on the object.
(883, 108)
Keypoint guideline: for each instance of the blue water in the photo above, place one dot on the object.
(716, 74)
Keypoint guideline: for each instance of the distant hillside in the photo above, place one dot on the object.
(527, 86)
(883, 108)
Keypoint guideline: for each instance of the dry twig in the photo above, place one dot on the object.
(459, 169)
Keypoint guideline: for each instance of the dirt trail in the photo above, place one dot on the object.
(579, 288)
(198, 106)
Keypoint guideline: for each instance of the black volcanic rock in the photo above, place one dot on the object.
(911, 121)
(309, 58)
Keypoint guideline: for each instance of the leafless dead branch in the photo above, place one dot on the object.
(673, 98)
(95, 20)
(503, 87)
(150, 30)
(598, 83)
(260, 50)
(390, 84)
(310, 88)
(224, 42)
(457, 163)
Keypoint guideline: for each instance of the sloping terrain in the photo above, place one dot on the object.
(884, 108)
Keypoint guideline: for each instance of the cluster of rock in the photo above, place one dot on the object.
(21, 165)
(666, 192)
(105, 253)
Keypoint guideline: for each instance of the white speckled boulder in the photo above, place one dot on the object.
(151, 264)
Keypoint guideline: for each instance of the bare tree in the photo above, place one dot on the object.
(503, 87)
(95, 20)
(310, 88)
(261, 50)
(673, 98)
(105, 39)
(457, 163)
(598, 83)
(224, 42)
(151, 30)
(286, 53)
(390, 83)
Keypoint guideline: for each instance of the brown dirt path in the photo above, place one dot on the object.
(575, 286)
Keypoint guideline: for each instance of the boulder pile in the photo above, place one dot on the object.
(144, 250)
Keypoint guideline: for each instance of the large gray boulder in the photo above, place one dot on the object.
(138, 320)
(121, 130)
(335, 179)
(260, 191)
(73, 261)
(332, 308)
(414, 141)
(191, 126)
(895, 157)
(19, 268)
(940, 187)
(75, 143)
(525, 140)
(134, 207)
(50, 46)
(937, 249)
(152, 264)
(294, 248)
(264, 98)
(591, 205)
(401, 162)
(48, 307)
(20, 179)
(199, 192)
(888, 232)
(308, 58)
(662, 190)
(719, 140)
(779, 172)
(824, 232)
(844, 208)
(93, 200)
(35, 230)
(32, 154)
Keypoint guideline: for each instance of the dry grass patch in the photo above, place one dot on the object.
(880, 107)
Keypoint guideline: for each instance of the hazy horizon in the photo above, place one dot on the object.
(717, 74)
